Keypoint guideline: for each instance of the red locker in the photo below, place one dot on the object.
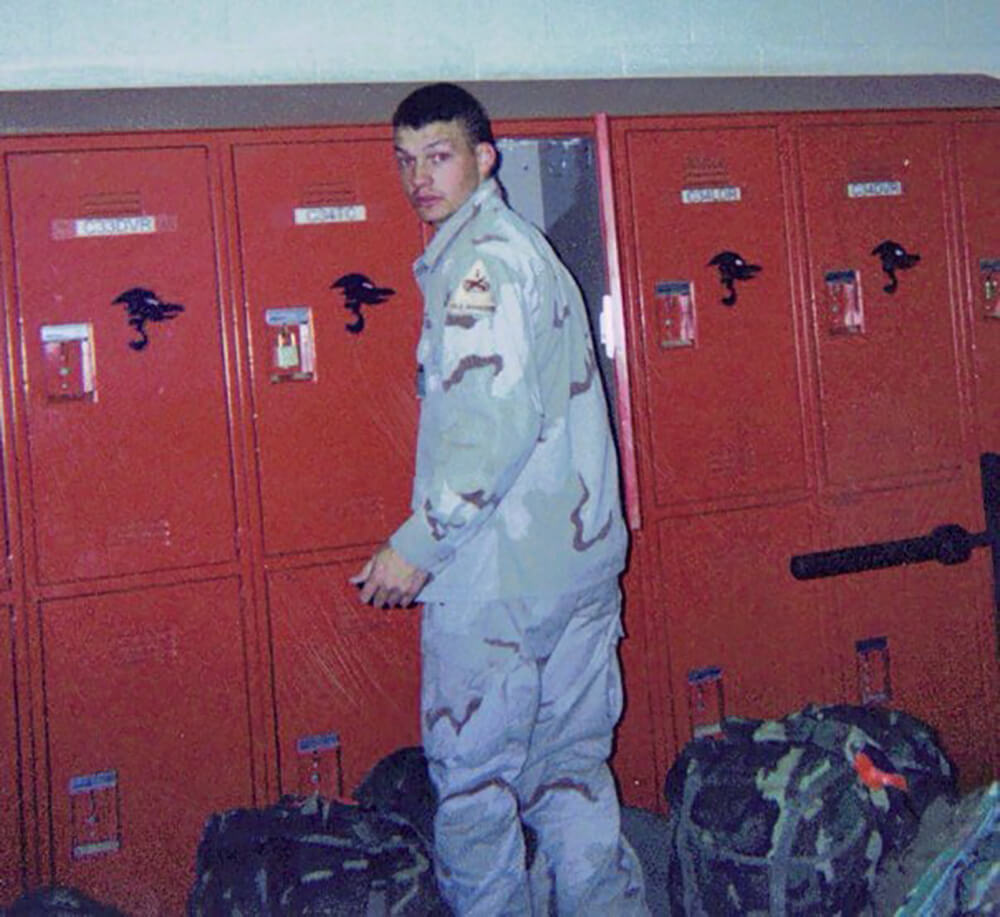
(716, 342)
(327, 241)
(11, 811)
(147, 734)
(919, 638)
(347, 678)
(889, 378)
(978, 154)
(744, 639)
(117, 293)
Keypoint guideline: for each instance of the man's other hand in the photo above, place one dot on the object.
(388, 581)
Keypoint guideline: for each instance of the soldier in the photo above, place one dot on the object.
(515, 544)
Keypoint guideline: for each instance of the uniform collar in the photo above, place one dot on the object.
(451, 227)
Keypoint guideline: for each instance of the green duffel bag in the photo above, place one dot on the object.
(793, 816)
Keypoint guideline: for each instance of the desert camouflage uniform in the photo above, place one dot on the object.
(516, 514)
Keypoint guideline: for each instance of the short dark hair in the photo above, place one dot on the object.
(444, 102)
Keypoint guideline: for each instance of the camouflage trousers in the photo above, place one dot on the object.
(519, 702)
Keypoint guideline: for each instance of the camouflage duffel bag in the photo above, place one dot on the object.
(312, 856)
(793, 816)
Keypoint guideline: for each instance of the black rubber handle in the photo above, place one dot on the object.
(948, 544)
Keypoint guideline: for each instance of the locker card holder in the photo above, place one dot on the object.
(706, 703)
(844, 309)
(874, 683)
(989, 278)
(321, 770)
(675, 313)
(68, 362)
(95, 815)
(291, 344)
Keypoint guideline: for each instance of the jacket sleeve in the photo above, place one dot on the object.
(487, 415)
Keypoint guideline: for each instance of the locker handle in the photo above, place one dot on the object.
(894, 258)
(732, 267)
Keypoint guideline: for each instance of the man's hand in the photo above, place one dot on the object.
(388, 581)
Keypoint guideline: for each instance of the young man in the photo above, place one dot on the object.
(515, 544)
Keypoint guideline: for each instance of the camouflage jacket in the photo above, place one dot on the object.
(516, 490)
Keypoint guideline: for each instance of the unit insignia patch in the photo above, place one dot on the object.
(474, 292)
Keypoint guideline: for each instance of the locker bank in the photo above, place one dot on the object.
(209, 415)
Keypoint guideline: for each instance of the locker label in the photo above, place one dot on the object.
(857, 189)
(311, 216)
(728, 195)
(68, 361)
(98, 227)
(675, 310)
(95, 814)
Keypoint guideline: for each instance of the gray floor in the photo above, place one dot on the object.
(647, 833)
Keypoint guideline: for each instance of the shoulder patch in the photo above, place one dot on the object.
(474, 292)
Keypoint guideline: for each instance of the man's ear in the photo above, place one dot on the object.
(486, 159)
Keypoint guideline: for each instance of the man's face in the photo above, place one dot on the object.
(439, 167)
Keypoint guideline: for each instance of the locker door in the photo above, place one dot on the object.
(723, 419)
(720, 420)
(147, 736)
(979, 152)
(919, 638)
(327, 243)
(127, 424)
(888, 373)
(347, 678)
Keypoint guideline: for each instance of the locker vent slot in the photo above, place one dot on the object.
(706, 170)
(326, 193)
(145, 647)
(870, 171)
(111, 203)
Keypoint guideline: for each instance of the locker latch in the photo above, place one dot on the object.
(321, 769)
(845, 314)
(291, 344)
(675, 310)
(989, 275)
(95, 814)
(706, 704)
(360, 291)
(68, 359)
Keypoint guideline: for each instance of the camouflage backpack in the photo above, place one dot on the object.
(793, 816)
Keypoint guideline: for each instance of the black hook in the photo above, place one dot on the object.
(732, 267)
(144, 306)
(359, 291)
(894, 258)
